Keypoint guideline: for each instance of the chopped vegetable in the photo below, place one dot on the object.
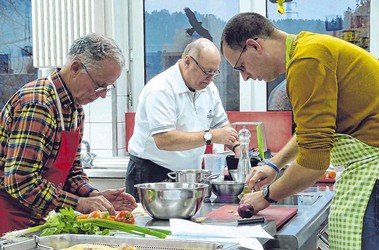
(124, 216)
(97, 214)
(82, 217)
(66, 222)
(200, 219)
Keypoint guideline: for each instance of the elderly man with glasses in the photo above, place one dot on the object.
(41, 128)
(179, 113)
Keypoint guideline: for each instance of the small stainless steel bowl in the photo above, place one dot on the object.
(190, 175)
(227, 188)
(165, 200)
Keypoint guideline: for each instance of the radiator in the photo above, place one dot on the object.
(57, 23)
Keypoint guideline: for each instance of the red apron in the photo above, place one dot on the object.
(14, 215)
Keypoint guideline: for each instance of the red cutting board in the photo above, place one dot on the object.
(278, 213)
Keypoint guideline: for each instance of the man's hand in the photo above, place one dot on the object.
(256, 200)
(110, 200)
(88, 204)
(120, 199)
(226, 135)
(260, 176)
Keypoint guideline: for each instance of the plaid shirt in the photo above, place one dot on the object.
(30, 134)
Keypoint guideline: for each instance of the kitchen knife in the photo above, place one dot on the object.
(238, 222)
(253, 220)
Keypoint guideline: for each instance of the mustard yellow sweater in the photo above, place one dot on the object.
(333, 86)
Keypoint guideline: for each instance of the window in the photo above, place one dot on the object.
(346, 19)
(181, 22)
(16, 57)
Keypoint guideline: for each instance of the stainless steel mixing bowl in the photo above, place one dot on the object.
(165, 200)
(227, 188)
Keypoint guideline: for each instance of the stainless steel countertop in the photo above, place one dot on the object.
(298, 231)
(294, 234)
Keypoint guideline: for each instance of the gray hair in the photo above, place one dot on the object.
(244, 26)
(93, 48)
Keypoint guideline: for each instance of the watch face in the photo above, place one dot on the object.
(207, 136)
(265, 191)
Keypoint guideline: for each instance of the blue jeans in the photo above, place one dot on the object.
(370, 233)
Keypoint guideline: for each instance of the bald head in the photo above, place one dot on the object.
(199, 47)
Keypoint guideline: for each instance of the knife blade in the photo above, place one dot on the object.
(238, 222)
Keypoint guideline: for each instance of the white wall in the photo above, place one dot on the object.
(105, 118)
(253, 93)
(137, 47)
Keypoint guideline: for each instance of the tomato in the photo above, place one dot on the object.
(96, 215)
(124, 216)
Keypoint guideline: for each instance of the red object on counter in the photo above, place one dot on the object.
(277, 213)
(208, 150)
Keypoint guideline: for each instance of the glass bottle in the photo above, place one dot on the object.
(244, 164)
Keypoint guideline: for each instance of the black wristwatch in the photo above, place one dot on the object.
(207, 137)
(266, 195)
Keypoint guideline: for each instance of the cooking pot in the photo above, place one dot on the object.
(190, 175)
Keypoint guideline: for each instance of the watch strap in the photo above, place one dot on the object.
(267, 196)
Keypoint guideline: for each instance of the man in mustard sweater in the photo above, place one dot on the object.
(333, 87)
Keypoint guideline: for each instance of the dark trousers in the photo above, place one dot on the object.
(370, 234)
(143, 171)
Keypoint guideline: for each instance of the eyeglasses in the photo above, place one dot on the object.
(99, 89)
(240, 68)
(206, 73)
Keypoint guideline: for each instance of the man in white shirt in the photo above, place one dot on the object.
(179, 113)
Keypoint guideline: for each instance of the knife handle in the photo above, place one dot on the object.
(243, 221)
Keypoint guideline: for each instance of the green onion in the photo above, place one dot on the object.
(125, 227)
